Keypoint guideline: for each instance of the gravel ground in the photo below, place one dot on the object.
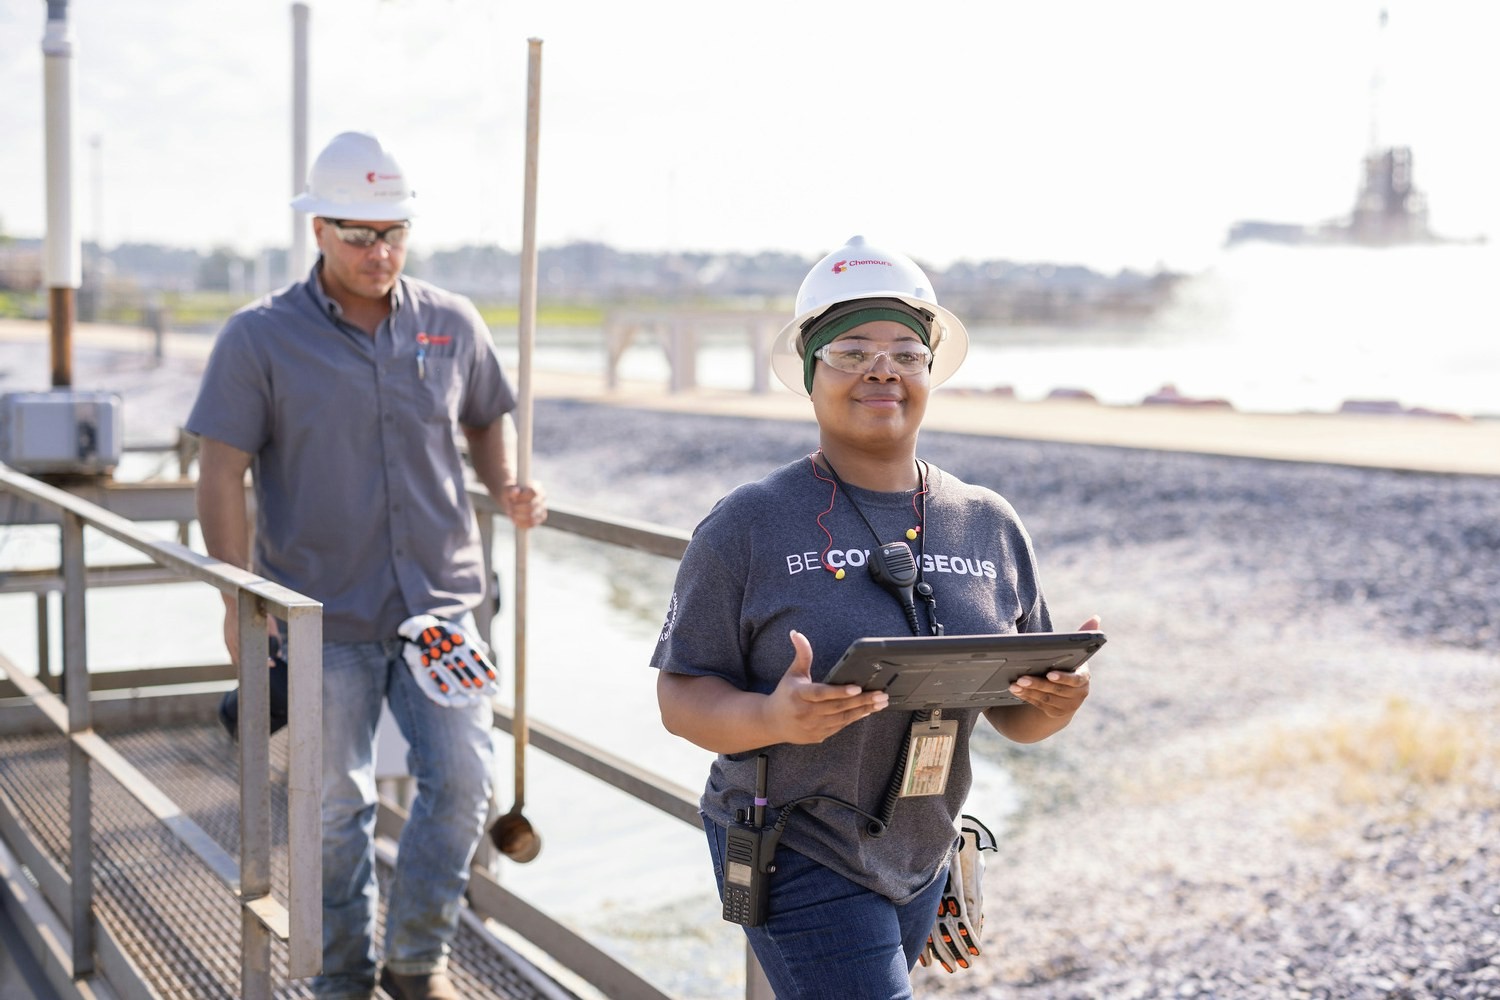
(1287, 781)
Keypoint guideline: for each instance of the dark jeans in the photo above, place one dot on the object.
(827, 936)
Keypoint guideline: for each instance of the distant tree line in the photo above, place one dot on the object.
(595, 273)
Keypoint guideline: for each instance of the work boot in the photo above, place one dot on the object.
(418, 985)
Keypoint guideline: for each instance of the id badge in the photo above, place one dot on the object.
(929, 757)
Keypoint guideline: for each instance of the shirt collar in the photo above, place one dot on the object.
(329, 307)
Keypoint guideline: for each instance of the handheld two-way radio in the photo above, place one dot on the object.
(748, 856)
(750, 851)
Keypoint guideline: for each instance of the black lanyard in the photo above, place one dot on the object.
(892, 564)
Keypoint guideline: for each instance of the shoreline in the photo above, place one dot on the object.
(1395, 441)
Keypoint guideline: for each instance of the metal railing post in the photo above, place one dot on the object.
(484, 617)
(76, 686)
(255, 796)
(486, 855)
(304, 790)
(757, 986)
(186, 450)
(44, 643)
(761, 335)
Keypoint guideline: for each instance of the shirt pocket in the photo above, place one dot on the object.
(441, 389)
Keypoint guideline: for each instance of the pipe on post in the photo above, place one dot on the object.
(63, 256)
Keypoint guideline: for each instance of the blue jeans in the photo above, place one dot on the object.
(452, 760)
(827, 937)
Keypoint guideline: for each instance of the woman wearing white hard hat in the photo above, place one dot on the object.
(778, 580)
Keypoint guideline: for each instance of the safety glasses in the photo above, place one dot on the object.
(858, 358)
(364, 237)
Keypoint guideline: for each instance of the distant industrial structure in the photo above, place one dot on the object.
(1389, 208)
(1388, 211)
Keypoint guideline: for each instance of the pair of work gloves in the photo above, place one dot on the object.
(448, 664)
(954, 940)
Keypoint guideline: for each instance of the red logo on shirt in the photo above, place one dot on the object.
(434, 338)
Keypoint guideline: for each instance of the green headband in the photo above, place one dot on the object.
(823, 333)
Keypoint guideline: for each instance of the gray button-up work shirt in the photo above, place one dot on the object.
(359, 484)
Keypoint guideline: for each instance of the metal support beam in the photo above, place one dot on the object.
(304, 792)
(484, 618)
(255, 796)
(255, 957)
(44, 642)
(80, 783)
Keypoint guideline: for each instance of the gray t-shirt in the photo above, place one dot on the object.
(754, 571)
(359, 483)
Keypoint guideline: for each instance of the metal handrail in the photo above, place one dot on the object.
(299, 923)
(172, 561)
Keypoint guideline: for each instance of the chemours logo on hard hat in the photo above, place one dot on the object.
(840, 267)
(372, 177)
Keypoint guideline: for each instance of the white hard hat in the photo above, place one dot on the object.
(355, 178)
(858, 270)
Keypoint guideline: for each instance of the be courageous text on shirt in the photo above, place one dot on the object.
(928, 562)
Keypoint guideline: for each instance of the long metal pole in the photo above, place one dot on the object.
(523, 426)
(297, 262)
(64, 264)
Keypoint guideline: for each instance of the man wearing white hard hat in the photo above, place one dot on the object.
(860, 539)
(344, 394)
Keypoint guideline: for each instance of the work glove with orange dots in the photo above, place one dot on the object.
(954, 940)
(448, 664)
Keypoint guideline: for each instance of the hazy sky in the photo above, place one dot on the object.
(1107, 132)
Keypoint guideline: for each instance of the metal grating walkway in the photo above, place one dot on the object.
(173, 918)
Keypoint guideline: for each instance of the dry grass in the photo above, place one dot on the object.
(1402, 744)
(1397, 754)
(1401, 759)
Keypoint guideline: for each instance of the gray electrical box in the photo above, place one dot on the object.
(61, 430)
